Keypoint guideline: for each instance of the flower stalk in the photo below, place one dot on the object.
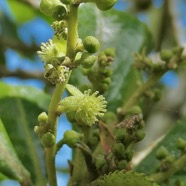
(56, 97)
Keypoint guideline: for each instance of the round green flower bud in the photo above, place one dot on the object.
(39, 129)
(120, 135)
(135, 110)
(48, 140)
(87, 60)
(166, 55)
(103, 87)
(129, 154)
(170, 159)
(107, 72)
(91, 44)
(67, 2)
(119, 149)
(71, 138)
(181, 144)
(162, 153)
(93, 142)
(60, 12)
(140, 134)
(47, 6)
(43, 118)
(122, 164)
(106, 80)
(110, 52)
(105, 4)
(100, 162)
(102, 59)
(109, 117)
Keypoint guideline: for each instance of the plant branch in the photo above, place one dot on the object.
(4, 72)
(88, 159)
(17, 45)
(56, 97)
(140, 91)
(175, 167)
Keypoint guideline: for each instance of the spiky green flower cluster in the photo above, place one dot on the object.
(56, 74)
(55, 71)
(87, 107)
(48, 51)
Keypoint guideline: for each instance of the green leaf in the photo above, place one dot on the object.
(150, 164)
(10, 165)
(123, 32)
(28, 93)
(19, 108)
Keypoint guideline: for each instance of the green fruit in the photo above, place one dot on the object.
(102, 59)
(47, 6)
(120, 135)
(140, 134)
(122, 164)
(43, 118)
(106, 80)
(166, 55)
(104, 4)
(110, 52)
(118, 149)
(48, 140)
(162, 153)
(181, 144)
(91, 44)
(170, 159)
(87, 60)
(135, 110)
(71, 138)
(129, 154)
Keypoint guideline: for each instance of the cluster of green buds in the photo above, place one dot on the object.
(47, 138)
(85, 52)
(172, 58)
(125, 134)
(166, 159)
(169, 60)
(86, 107)
(129, 131)
(102, 71)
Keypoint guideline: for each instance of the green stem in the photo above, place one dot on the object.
(175, 167)
(52, 118)
(59, 145)
(88, 159)
(140, 91)
(72, 31)
(56, 97)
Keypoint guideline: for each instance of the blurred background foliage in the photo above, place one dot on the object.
(133, 25)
